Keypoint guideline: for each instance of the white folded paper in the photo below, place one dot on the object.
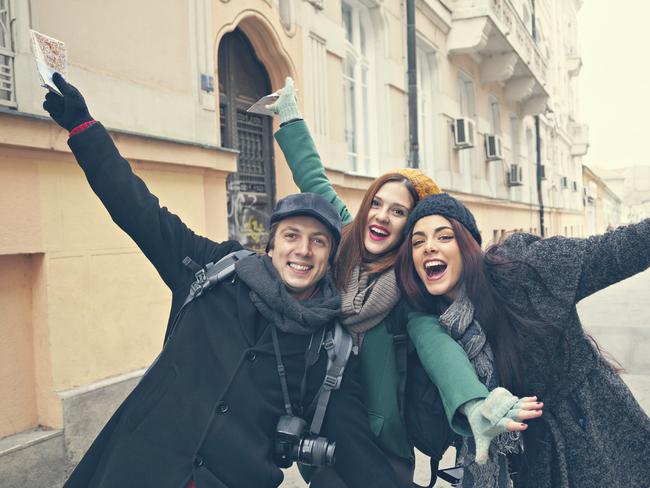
(51, 57)
(259, 107)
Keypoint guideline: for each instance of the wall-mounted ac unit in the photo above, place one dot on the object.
(515, 175)
(493, 147)
(464, 133)
(564, 182)
(542, 171)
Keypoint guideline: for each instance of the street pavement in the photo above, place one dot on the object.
(618, 318)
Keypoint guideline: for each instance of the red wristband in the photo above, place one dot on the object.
(81, 127)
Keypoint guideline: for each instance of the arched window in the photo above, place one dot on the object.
(358, 73)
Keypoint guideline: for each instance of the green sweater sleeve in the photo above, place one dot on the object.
(306, 166)
(447, 365)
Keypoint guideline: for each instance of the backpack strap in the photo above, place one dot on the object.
(213, 273)
(338, 346)
(206, 278)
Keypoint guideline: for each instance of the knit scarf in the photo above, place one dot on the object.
(365, 302)
(274, 301)
(459, 322)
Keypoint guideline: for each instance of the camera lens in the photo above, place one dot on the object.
(317, 451)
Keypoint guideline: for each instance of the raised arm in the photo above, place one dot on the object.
(301, 154)
(160, 234)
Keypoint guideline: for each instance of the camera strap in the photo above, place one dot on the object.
(338, 345)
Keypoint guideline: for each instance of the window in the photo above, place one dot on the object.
(6, 56)
(466, 157)
(427, 112)
(495, 168)
(357, 73)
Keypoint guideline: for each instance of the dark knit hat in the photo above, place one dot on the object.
(447, 206)
(310, 205)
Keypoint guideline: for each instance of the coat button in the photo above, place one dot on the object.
(198, 461)
(251, 356)
(223, 407)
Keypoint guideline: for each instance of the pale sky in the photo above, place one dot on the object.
(614, 83)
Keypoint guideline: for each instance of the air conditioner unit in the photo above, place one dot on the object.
(464, 133)
(542, 172)
(564, 182)
(515, 175)
(493, 148)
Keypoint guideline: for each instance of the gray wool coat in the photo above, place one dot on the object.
(593, 432)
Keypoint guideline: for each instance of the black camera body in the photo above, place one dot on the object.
(294, 443)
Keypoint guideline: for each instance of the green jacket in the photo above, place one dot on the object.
(442, 358)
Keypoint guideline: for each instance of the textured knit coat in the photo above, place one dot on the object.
(379, 373)
(593, 432)
(208, 407)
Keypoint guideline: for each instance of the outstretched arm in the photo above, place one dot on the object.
(571, 268)
(301, 153)
(161, 235)
(613, 257)
(470, 409)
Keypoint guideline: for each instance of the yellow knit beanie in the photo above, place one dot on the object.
(424, 186)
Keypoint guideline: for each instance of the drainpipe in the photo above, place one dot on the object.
(414, 147)
(540, 198)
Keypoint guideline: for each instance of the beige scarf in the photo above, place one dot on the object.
(365, 302)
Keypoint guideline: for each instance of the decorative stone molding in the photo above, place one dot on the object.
(519, 88)
(498, 68)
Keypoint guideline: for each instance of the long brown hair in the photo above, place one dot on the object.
(505, 328)
(352, 251)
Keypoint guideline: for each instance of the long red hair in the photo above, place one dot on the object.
(352, 251)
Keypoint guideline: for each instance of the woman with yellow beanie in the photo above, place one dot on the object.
(376, 316)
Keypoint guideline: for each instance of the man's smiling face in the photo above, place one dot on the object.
(300, 254)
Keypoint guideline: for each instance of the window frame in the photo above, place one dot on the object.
(7, 49)
(358, 90)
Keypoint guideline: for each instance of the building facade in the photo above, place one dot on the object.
(82, 310)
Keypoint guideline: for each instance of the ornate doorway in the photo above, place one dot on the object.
(251, 190)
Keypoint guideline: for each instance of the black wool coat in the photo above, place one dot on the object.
(593, 432)
(208, 407)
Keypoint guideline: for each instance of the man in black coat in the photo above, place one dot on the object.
(206, 411)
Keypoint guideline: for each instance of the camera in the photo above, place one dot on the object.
(293, 442)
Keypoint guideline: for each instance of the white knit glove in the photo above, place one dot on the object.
(286, 106)
(490, 417)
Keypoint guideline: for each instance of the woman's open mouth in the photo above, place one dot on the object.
(378, 233)
(435, 269)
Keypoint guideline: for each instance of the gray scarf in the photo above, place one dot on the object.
(459, 322)
(273, 300)
(365, 302)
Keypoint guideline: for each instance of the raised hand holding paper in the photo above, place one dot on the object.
(51, 57)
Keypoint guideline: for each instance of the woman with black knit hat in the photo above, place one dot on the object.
(513, 310)
(374, 314)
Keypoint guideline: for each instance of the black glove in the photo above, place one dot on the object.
(69, 110)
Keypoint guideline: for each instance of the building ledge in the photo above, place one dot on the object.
(494, 35)
(27, 438)
(30, 131)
